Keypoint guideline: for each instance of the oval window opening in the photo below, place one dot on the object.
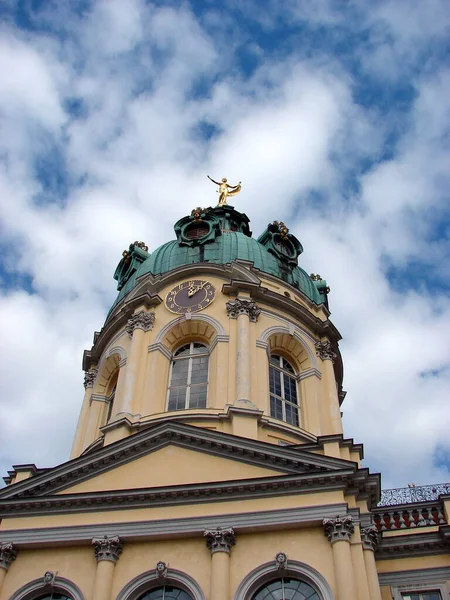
(196, 231)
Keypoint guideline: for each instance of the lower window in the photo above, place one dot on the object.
(286, 588)
(166, 592)
(422, 595)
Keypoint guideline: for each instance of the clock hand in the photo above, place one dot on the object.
(193, 290)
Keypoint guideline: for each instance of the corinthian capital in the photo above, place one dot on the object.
(325, 351)
(107, 548)
(220, 540)
(340, 528)
(243, 306)
(7, 555)
(89, 378)
(141, 320)
(370, 538)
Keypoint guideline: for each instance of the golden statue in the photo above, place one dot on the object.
(225, 190)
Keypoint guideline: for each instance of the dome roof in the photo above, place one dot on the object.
(220, 236)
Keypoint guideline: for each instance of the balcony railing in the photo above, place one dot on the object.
(411, 494)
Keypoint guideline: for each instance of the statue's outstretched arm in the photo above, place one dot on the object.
(234, 187)
(216, 182)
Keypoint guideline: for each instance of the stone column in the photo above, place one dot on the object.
(339, 532)
(89, 380)
(107, 552)
(7, 555)
(370, 538)
(244, 310)
(332, 417)
(137, 326)
(359, 567)
(220, 541)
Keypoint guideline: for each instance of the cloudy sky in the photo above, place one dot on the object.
(334, 115)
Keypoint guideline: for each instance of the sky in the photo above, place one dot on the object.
(335, 116)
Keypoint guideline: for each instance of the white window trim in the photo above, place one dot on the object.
(188, 385)
(419, 588)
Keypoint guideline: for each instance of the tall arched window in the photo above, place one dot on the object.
(166, 592)
(189, 377)
(286, 588)
(283, 390)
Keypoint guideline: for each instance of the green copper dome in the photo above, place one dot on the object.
(221, 235)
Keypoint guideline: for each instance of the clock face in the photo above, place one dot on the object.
(190, 296)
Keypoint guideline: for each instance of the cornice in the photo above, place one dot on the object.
(414, 544)
(414, 576)
(241, 522)
(114, 325)
(281, 458)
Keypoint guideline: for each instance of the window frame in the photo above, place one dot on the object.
(397, 591)
(294, 376)
(188, 385)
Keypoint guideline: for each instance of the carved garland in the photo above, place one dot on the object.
(220, 540)
(107, 548)
(243, 306)
(340, 528)
(141, 320)
(324, 350)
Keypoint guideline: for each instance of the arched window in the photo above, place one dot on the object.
(283, 390)
(53, 596)
(189, 377)
(111, 402)
(287, 589)
(166, 592)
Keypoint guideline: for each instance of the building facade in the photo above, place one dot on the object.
(209, 460)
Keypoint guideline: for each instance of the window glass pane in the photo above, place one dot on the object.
(166, 592)
(199, 348)
(180, 370)
(411, 596)
(287, 366)
(275, 360)
(199, 373)
(177, 399)
(183, 351)
(197, 396)
(276, 408)
(290, 389)
(291, 414)
(275, 381)
(286, 589)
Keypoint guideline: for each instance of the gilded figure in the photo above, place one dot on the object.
(225, 189)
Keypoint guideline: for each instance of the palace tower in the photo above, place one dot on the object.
(209, 461)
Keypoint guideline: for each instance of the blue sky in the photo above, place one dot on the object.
(334, 115)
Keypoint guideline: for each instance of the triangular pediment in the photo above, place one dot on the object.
(173, 455)
(171, 466)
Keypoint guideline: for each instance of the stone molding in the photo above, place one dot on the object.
(142, 320)
(38, 587)
(107, 548)
(89, 378)
(220, 540)
(339, 528)
(414, 576)
(8, 553)
(370, 538)
(281, 561)
(324, 350)
(296, 569)
(243, 306)
(418, 544)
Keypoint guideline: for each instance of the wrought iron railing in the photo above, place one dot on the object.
(412, 493)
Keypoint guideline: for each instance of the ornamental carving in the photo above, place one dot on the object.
(161, 569)
(282, 229)
(316, 277)
(220, 540)
(141, 245)
(141, 320)
(198, 213)
(340, 528)
(8, 553)
(324, 350)
(49, 577)
(89, 378)
(107, 548)
(370, 538)
(243, 306)
(281, 561)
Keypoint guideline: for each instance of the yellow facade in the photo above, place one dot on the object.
(221, 500)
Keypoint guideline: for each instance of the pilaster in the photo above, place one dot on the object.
(339, 532)
(370, 539)
(219, 541)
(89, 381)
(7, 554)
(331, 412)
(107, 551)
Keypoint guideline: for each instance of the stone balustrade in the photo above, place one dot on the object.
(424, 514)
